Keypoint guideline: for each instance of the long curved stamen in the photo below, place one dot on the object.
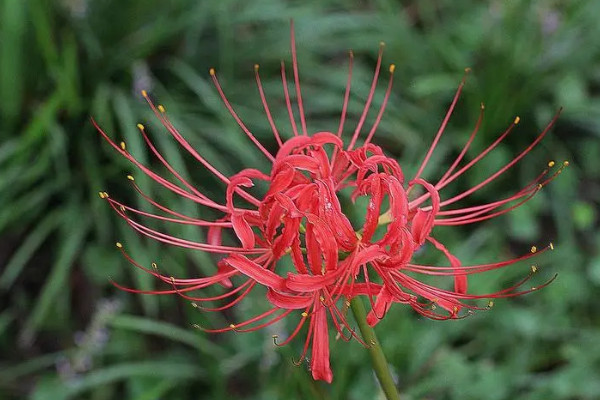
(383, 105)
(231, 303)
(503, 169)
(160, 113)
(346, 94)
(235, 327)
(295, 331)
(465, 147)
(288, 102)
(363, 116)
(297, 78)
(187, 221)
(443, 125)
(237, 118)
(159, 179)
(266, 105)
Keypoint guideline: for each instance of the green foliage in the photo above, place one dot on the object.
(62, 62)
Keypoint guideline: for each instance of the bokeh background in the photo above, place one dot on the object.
(67, 333)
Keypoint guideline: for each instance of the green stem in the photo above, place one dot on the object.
(380, 365)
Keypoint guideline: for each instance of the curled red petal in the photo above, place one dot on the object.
(319, 362)
(243, 230)
(460, 279)
(382, 304)
(256, 271)
(287, 301)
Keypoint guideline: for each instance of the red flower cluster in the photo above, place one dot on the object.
(300, 217)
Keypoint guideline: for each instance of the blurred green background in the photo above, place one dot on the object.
(67, 333)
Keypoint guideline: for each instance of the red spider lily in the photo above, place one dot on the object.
(299, 217)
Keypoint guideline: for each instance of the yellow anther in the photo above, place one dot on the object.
(304, 314)
(517, 120)
(196, 326)
(211, 71)
(101, 194)
(551, 246)
(381, 44)
(482, 106)
(106, 195)
(347, 303)
(194, 305)
(392, 68)
(533, 249)
(172, 280)
(154, 266)
(256, 67)
(351, 53)
(161, 108)
(539, 186)
(433, 307)
(275, 336)
(467, 70)
(140, 127)
(455, 309)
(490, 303)
(144, 93)
(534, 269)
(321, 298)
(130, 177)
(566, 163)
(119, 245)
(123, 146)
(122, 208)
(534, 288)
(551, 164)
(232, 326)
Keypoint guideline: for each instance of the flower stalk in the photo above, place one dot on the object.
(380, 364)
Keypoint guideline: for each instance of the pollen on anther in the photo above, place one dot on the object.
(196, 326)
(232, 326)
(256, 67)
(551, 164)
(566, 163)
(482, 106)
(144, 93)
(490, 303)
(130, 177)
(551, 246)
(517, 120)
(140, 127)
(123, 146)
(122, 208)
(533, 249)
(211, 71)
(467, 70)
(539, 186)
(322, 298)
(194, 305)
(381, 44)
(392, 68)
(161, 108)
(154, 266)
(101, 194)
(119, 245)
(304, 314)
(534, 268)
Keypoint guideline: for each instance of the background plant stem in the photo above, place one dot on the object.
(380, 365)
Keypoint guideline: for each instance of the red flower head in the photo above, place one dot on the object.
(299, 217)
